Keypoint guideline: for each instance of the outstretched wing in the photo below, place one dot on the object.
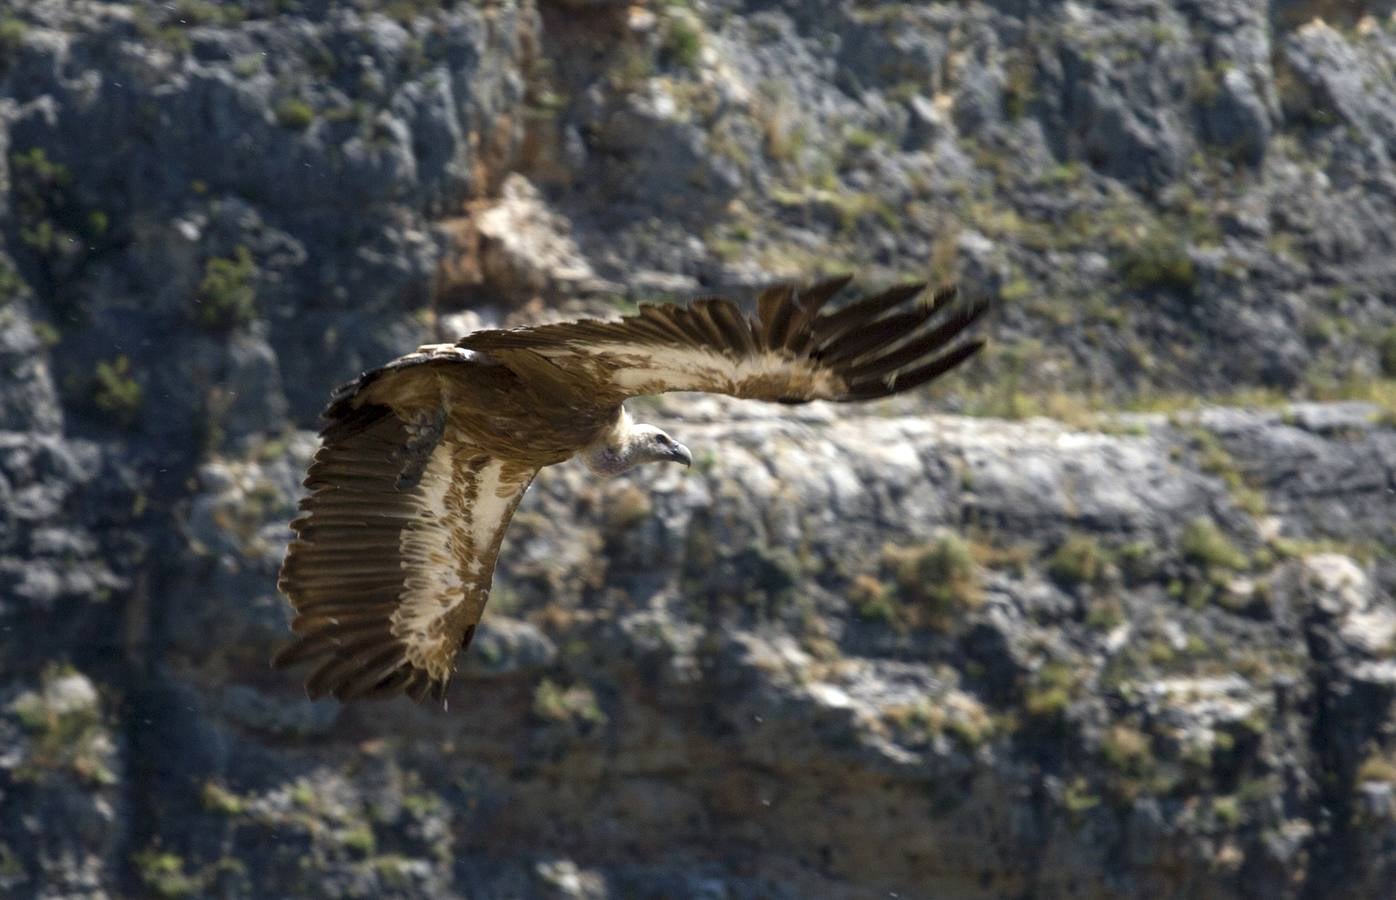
(389, 582)
(790, 351)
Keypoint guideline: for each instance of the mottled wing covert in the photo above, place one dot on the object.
(388, 583)
(792, 350)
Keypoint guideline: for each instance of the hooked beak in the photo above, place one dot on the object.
(681, 454)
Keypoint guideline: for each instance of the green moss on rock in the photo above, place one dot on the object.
(940, 579)
(1158, 261)
(1080, 560)
(227, 295)
(1204, 544)
(294, 113)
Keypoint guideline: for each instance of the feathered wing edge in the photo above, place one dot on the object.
(380, 605)
(790, 351)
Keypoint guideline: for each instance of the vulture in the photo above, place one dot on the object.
(423, 461)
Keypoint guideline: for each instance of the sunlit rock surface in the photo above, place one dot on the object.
(852, 652)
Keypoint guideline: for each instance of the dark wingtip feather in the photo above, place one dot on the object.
(343, 420)
(885, 332)
(810, 301)
(944, 293)
(736, 332)
(301, 649)
(829, 285)
(813, 298)
(775, 308)
(390, 683)
(939, 366)
(279, 659)
(877, 388)
(418, 686)
(371, 675)
(915, 345)
(860, 312)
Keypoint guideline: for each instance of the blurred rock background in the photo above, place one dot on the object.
(1108, 614)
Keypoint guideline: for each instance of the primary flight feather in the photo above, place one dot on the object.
(423, 461)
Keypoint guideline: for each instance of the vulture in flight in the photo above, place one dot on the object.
(422, 462)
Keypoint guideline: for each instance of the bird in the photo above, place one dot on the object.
(423, 461)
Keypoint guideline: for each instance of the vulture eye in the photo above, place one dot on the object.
(663, 440)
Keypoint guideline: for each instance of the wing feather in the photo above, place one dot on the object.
(343, 619)
(858, 342)
(661, 323)
(912, 350)
(417, 686)
(914, 378)
(791, 350)
(862, 312)
(814, 298)
(388, 582)
(734, 329)
(777, 313)
(706, 330)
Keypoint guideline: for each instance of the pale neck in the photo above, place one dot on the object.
(612, 453)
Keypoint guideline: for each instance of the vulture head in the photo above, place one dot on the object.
(631, 443)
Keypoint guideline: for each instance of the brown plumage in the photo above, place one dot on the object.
(423, 461)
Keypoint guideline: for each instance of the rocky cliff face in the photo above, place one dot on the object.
(1141, 654)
